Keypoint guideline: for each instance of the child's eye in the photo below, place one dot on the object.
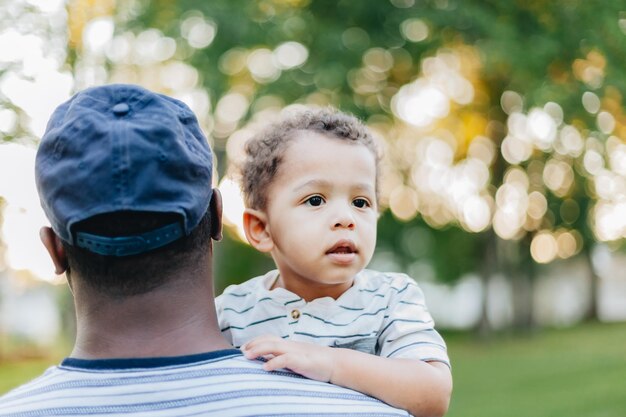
(314, 201)
(360, 203)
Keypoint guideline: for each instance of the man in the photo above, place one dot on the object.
(124, 176)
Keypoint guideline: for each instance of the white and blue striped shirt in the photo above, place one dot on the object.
(220, 383)
(382, 313)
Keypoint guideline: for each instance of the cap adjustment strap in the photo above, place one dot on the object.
(129, 245)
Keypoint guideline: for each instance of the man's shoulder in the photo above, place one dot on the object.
(232, 386)
(289, 389)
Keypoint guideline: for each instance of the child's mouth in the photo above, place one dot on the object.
(343, 246)
(343, 252)
(342, 249)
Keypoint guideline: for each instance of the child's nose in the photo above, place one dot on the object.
(344, 219)
(347, 224)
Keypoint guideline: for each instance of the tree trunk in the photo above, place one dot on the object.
(489, 267)
(592, 309)
(522, 269)
(522, 299)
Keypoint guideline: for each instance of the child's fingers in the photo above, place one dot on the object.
(297, 364)
(249, 354)
(258, 347)
(277, 362)
(286, 361)
(257, 340)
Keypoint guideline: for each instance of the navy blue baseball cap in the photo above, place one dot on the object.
(123, 148)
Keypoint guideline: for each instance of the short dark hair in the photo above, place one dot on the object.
(265, 150)
(122, 276)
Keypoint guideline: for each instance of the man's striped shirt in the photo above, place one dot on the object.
(220, 383)
(382, 313)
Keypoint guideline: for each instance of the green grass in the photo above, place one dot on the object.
(578, 372)
(13, 374)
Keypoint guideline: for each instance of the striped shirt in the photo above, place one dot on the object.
(220, 383)
(382, 313)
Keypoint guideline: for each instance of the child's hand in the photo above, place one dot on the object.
(309, 360)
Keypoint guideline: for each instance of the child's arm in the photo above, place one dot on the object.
(422, 388)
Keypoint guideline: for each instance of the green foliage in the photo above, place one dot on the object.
(450, 251)
(538, 49)
(236, 262)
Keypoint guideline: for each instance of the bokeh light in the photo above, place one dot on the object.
(290, 55)
(605, 122)
(591, 102)
(198, 31)
(262, 66)
(414, 30)
(429, 98)
(98, 33)
(403, 203)
(233, 204)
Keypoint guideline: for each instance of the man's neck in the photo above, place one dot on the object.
(164, 322)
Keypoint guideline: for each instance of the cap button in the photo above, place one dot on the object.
(120, 109)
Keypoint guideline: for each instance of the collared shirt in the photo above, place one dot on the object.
(221, 383)
(382, 313)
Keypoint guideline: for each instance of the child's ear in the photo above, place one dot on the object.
(257, 230)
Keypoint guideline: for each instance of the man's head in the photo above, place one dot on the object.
(310, 184)
(124, 176)
(265, 151)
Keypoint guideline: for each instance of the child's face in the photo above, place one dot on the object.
(322, 214)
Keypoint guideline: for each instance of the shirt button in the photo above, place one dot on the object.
(295, 314)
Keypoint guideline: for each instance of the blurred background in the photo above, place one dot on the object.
(504, 174)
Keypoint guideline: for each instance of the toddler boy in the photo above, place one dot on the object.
(310, 184)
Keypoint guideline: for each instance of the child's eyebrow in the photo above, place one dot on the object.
(324, 184)
(364, 187)
(313, 184)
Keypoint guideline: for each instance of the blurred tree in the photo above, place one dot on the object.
(503, 122)
(14, 19)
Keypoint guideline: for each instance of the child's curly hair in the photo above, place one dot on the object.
(265, 150)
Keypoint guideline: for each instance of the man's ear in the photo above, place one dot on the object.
(55, 249)
(216, 215)
(257, 230)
